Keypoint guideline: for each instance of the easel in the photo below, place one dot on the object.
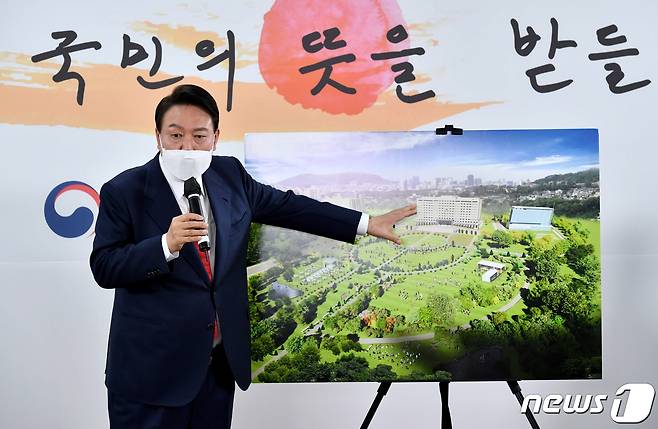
(446, 422)
(444, 386)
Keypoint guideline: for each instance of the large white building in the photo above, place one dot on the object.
(461, 213)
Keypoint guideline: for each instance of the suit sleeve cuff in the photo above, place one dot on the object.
(165, 249)
(362, 229)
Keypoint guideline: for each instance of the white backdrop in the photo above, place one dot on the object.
(54, 320)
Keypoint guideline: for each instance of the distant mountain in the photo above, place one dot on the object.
(339, 179)
(586, 176)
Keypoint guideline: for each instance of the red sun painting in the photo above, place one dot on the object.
(347, 29)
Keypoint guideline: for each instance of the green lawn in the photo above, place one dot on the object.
(419, 239)
(411, 260)
(378, 252)
(460, 239)
(516, 309)
(406, 358)
(594, 228)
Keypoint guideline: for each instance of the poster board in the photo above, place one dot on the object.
(497, 276)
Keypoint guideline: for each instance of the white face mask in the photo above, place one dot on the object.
(184, 164)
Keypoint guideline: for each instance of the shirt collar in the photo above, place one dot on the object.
(177, 185)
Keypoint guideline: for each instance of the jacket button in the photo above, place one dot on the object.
(210, 326)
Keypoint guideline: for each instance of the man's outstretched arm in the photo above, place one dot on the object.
(286, 209)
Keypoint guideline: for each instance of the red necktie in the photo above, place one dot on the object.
(205, 260)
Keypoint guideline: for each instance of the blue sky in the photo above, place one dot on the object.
(491, 155)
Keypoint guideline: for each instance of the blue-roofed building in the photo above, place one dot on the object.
(530, 218)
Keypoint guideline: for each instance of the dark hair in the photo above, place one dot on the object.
(188, 94)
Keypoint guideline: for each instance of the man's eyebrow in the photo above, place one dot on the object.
(178, 126)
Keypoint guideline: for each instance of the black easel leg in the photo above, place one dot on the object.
(446, 421)
(516, 391)
(383, 390)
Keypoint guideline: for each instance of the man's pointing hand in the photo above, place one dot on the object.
(382, 226)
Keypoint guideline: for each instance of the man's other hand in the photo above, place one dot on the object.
(382, 226)
(185, 228)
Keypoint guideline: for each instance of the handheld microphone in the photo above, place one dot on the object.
(192, 192)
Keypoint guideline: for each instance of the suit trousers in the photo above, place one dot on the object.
(212, 408)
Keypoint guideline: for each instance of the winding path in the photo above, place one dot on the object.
(259, 371)
(395, 340)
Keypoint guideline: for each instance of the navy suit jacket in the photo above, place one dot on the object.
(162, 321)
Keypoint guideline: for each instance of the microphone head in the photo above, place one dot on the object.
(191, 187)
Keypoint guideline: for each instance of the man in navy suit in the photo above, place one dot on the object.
(179, 336)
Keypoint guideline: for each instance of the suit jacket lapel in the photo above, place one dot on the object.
(161, 206)
(219, 195)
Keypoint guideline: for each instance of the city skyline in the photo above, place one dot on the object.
(491, 156)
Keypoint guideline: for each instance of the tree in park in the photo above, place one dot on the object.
(256, 309)
(295, 344)
(501, 238)
(545, 262)
(526, 238)
(577, 252)
(517, 266)
(380, 326)
(350, 368)
(331, 323)
(307, 366)
(383, 373)
(498, 318)
(481, 333)
(439, 311)
(545, 342)
(283, 326)
(390, 324)
(580, 229)
(330, 343)
(482, 295)
(562, 298)
(581, 259)
(466, 303)
(261, 347)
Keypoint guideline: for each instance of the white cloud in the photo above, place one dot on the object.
(547, 160)
(332, 144)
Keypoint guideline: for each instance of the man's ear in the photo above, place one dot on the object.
(214, 145)
(157, 139)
